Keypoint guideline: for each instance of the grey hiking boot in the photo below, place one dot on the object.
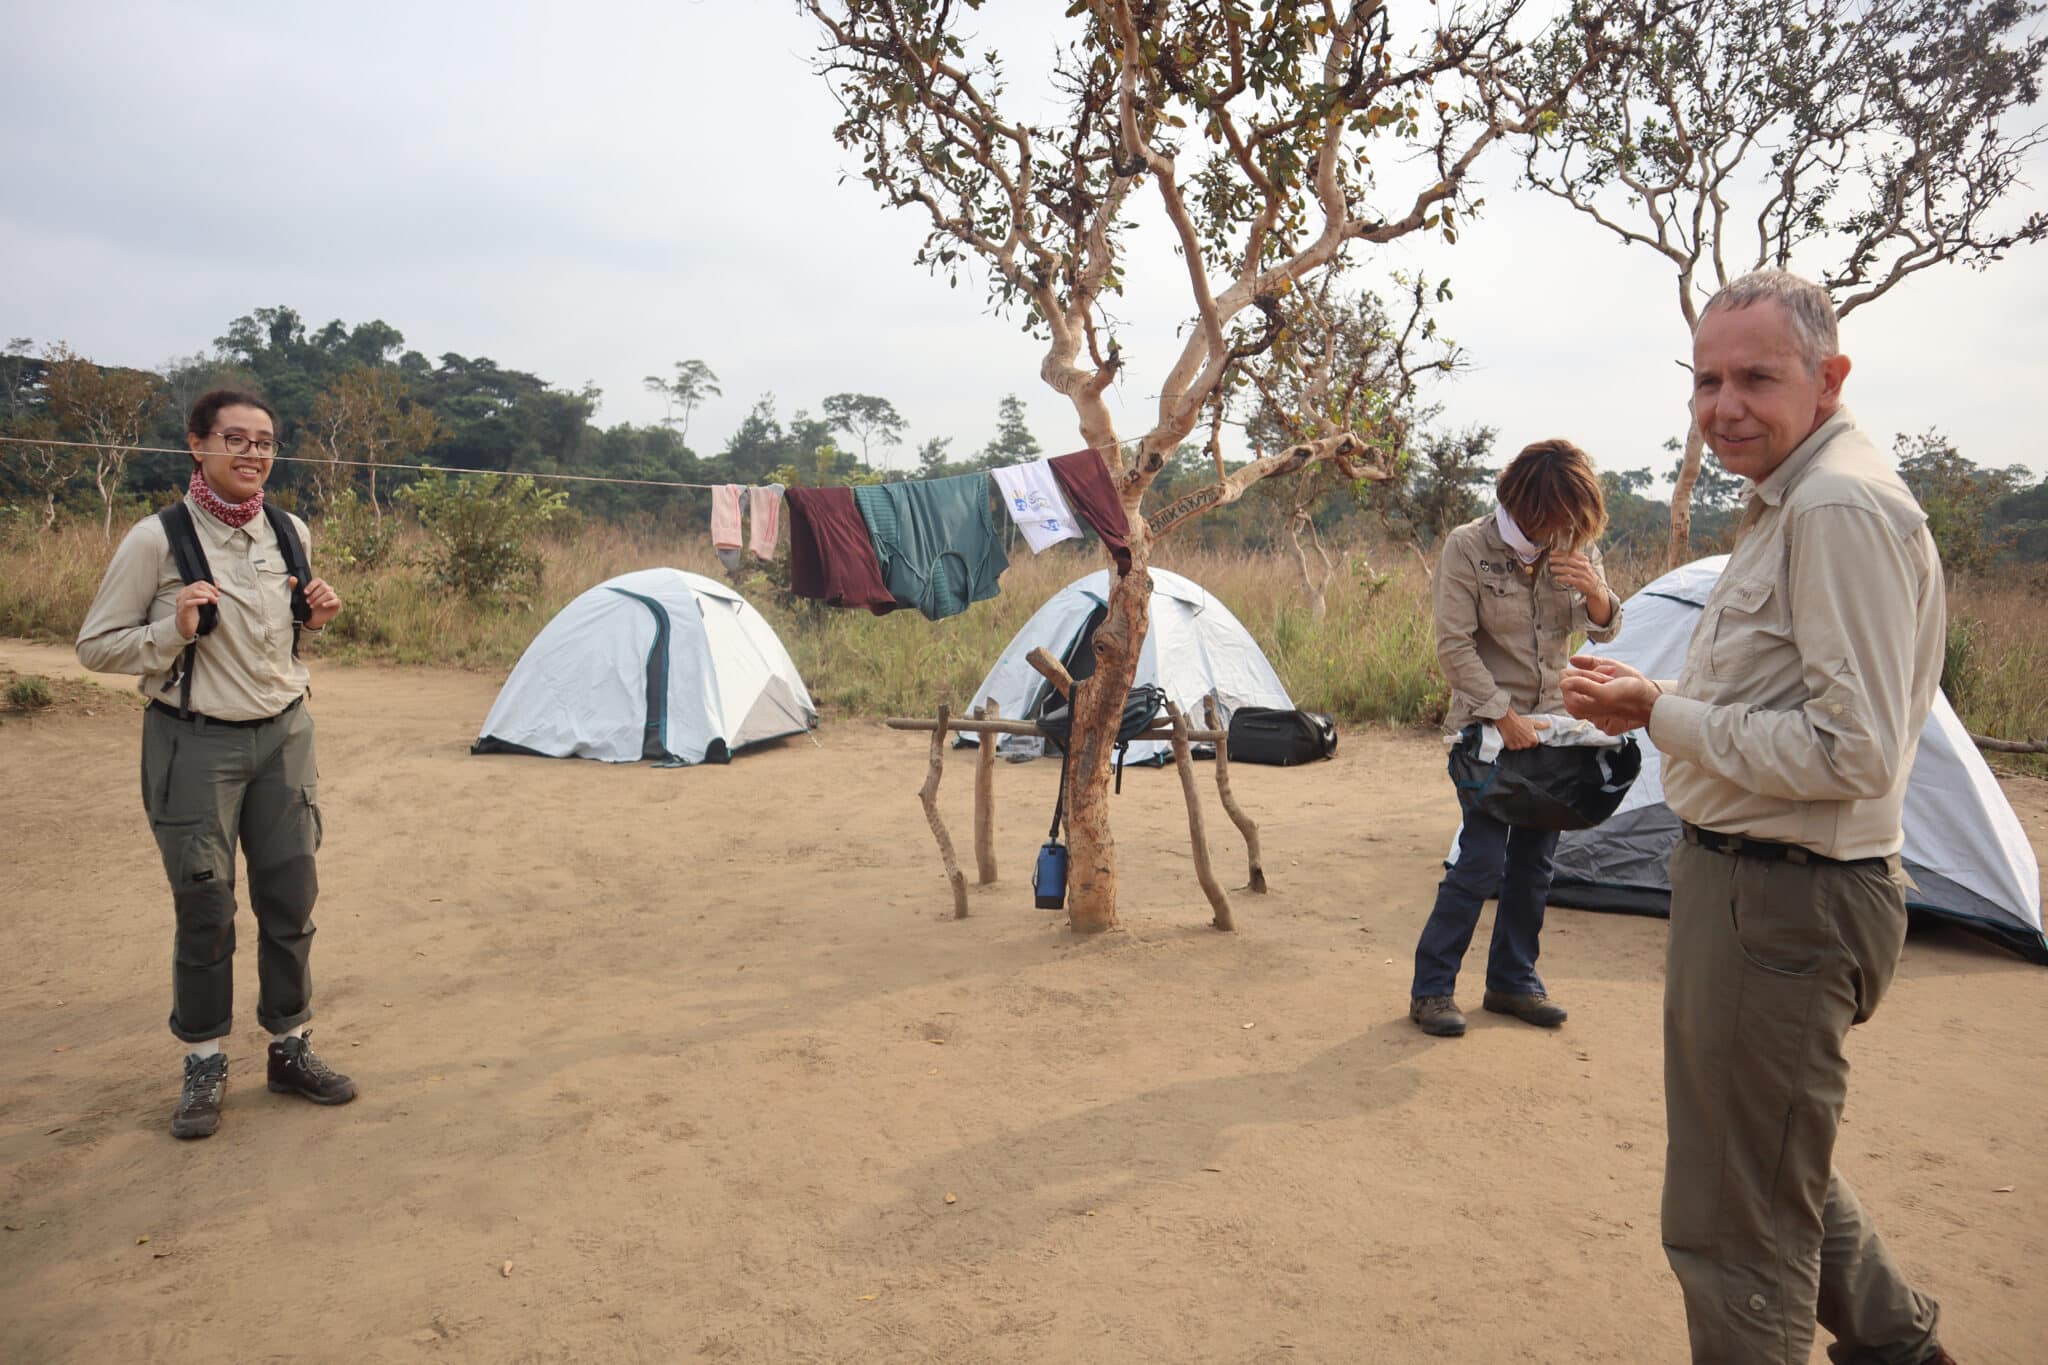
(1437, 1015)
(1535, 1008)
(206, 1081)
(296, 1070)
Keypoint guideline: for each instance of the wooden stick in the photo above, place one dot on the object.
(1055, 672)
(1211, 888)
(985, 801)
(2010, 746)
(1257, 884)
(929, 795)
(1029, 727)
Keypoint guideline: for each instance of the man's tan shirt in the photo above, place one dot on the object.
(1503, 628)
(1815, 660)
(244, 668)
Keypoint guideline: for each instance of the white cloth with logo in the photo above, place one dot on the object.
(1034, 501)
(1565, 732)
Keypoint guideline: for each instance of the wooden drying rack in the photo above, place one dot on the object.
(1177, 731)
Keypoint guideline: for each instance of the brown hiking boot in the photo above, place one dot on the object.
(296, 1070)
(1536, 1009)
(198, 1113)
(1437, 1015)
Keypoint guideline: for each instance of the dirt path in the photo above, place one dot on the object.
(703, 1056)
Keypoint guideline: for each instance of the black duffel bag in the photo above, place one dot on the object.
(1552, 786)
(1267, 734)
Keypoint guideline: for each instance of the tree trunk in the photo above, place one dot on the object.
(1314, 589)
(1098, 710)
(1680, 551)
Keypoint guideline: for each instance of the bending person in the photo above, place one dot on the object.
(1511, 590)
(227, 746)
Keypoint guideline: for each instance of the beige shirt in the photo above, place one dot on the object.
(244, 669)
(1504, 629)
(1815, 660)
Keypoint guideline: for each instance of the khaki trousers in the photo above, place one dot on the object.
(1770, 964)
(208, 787)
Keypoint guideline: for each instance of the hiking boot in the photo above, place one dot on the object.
(296, 1070)
(1437, 1015)
(206, 1081)
(1535, 1008)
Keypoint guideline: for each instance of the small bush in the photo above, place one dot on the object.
(353, 536)
(482, 530)
(30, 693)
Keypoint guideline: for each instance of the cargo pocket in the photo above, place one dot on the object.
(194, 855)
(1736, 630)
(309, 809)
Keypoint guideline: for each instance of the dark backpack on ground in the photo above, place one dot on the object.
(190, 557)
(1267, 734)
(1552, 786)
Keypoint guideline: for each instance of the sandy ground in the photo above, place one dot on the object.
(701, 1055)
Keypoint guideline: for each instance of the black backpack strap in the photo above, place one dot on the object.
(295, 563)
(190, 558)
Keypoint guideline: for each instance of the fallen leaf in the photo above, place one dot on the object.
(1625, 1146)
(1390, 962)
(12, 1227)
(58, 1129)
(952, 1199)
(65, 1048)
(933, 1072)
(1245, 1026)
(1217, 1169)
(2003, 1189)
(869, 1298)
(505, 1271)
(158, 1255)
(1089, 1212)
(143, 1238)
(936, 1042)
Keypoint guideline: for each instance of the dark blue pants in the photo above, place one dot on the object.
(1492, 858)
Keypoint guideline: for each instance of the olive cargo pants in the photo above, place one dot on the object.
(1770, 964)
(208, 786)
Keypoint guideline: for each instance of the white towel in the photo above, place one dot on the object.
(1565, 732)
(1036, 504)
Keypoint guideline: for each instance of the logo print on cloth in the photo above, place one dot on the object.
(236, 514)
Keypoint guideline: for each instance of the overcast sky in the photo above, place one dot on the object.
(593, 192)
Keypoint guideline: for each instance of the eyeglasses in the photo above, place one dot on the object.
(238, 443)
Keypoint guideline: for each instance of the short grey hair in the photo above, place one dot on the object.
(1806, 303)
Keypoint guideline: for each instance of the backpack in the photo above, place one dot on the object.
(1267, 734)
(190, 558)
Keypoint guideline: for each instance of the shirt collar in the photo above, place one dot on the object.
(212, 529)
(1780, 480)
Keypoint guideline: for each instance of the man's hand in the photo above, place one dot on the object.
(190, 600)
(1518, 733)
(1609, 693)
(323, 600)
(1575, 571)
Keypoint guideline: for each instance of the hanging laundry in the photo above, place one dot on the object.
(937, 541)
(764, 519)
(1033, 499)
(725, 524)
(831, 556)
(1084, 478)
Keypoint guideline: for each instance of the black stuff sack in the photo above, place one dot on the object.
(1552, 786)
(1266, 734)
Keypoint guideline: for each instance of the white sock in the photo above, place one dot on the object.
(209, 1048)
(298, 1032)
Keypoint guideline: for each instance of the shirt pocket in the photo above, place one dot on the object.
(1503, 611)
(1738, 629)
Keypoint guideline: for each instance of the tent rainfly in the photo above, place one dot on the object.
(1965, 850)
(658, 664)
(1194, 647)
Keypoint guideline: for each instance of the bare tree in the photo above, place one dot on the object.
(109, 409)
(1260, 133)
(1862, 140)
(367, 415)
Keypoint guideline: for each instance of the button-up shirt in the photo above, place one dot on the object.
(1504, 628)
(243, 668)
(1815, 660)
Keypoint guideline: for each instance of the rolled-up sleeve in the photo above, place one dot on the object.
(1854, 584)
(1456, 602)
(118, 636)
(1582, 618)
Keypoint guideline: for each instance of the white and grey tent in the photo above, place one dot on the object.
(1194, 647)
(1965, 849)
(658, 664)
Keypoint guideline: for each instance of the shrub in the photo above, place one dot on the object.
(353, 536)
(30, 693)
(482, 530)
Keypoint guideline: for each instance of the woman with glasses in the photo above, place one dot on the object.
(1512, 589)
(227, 744)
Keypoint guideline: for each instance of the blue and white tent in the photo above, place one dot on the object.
(658, 664)
(1194, 647)
(1965, 850)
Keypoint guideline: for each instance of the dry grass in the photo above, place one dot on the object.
(1368, 659)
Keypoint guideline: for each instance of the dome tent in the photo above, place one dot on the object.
(1194, 647)
(1965, 850)
(657, 664)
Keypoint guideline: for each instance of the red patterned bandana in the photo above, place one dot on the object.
(236, 514)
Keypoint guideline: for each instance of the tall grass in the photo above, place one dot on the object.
(1369, 659)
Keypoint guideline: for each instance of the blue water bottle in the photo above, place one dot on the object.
(1049, 877)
